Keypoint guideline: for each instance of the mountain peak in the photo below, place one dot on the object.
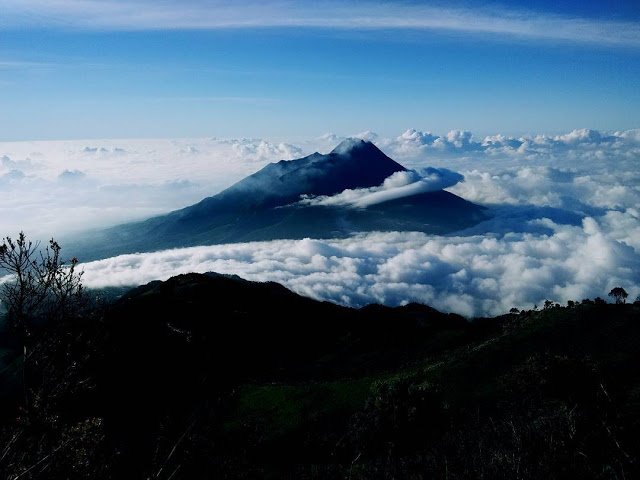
(266, 205)
(350, 146)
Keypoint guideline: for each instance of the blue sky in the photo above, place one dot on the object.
(141, 68)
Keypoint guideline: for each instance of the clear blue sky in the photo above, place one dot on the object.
(143, 68)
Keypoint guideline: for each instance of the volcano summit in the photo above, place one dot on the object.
(354, 188)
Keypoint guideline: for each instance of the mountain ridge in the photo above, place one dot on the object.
(265, 206)
(352, 164)
(205, 376)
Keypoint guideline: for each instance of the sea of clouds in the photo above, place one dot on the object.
(566, 221)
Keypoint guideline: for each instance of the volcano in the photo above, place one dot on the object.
(294, 199)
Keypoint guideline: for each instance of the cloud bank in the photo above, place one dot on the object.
(57, 188)
(60, 187)
(583, 144)
(472, 275)
(370, 15)
(566, 219)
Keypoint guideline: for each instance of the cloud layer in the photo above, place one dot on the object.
(580, 144)
(56, 188)
(371, 15)
(472, 275)
(566, 220)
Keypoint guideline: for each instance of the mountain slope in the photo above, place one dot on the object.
(352, 164)
(210, 376)
(264, 206)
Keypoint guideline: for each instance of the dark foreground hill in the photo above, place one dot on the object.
(208, 376)
(265, 206)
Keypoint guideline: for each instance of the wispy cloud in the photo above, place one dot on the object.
(373, 15)
(22, 65)
(219, 99)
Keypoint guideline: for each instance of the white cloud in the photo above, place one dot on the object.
(539, 244)
(582, 143)
(367, 135)
(261, 151)
(372, 15)
(71, 175)
(59, 187)
(545, 186)
(583, 171)
(472, 275)
(398, 185)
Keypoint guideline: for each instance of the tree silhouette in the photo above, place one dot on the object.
(40, 286)
(619, 294)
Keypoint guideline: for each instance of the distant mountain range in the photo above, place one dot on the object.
(267, 205)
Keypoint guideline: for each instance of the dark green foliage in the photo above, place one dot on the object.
(215, 377)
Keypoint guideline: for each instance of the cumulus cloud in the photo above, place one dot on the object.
(12, 177)
(413, 142)
(581, 143)
(258, 150)
(546, 186)
(104, 150)
(472, 275)
(398, 185)
(6, 163)
(71, 175)
(367, 135)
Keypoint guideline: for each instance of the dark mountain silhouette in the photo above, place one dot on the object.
(352, 164)
(211, 376)
(264, 206)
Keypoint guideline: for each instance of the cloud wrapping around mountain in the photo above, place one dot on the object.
(398, 185)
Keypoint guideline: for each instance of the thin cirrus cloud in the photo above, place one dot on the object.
(373, 15)
(220, 99)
